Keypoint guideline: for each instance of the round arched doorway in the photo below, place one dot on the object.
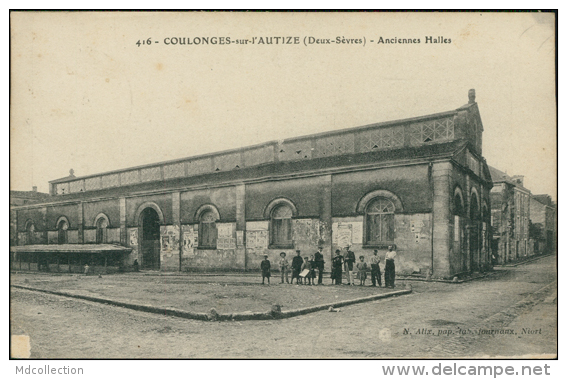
(149, 233)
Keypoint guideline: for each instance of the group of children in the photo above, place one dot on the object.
(304, 268)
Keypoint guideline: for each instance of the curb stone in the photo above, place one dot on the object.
(212, 315)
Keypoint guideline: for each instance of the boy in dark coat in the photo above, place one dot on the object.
(337, 273)
(306, 266)
(375, 269)
(296, 267)
(265, 266)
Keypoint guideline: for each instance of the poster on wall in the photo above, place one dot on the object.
(239, 238)
(357, 232)
(224, 230)
(344, 235)
(165, 243)
(257, 239)
(134, 237)
(188, 242)
(224, 243)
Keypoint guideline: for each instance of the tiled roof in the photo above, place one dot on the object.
(29, 195)
(501, 177)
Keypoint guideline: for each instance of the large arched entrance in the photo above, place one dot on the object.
(149, 239)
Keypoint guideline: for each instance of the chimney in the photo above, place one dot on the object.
(34, 188)
(472, 96)
(518, 179)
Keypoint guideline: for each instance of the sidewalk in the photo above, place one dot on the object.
(203, 297)
(257, 274)
(525, 261)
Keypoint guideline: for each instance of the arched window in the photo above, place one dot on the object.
(458, 213)
(62, 227)
(101, 226)
(280, 226)
(474, 207)
(379, 219)
(458, 208)
(207, 230)
(30, 233)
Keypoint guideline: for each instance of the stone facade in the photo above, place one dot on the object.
(510, 217)
(543, 224)
(419, 183)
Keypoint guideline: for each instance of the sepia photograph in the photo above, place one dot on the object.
(283, 185)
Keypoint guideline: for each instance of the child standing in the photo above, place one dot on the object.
(296, 267)
(284, 267)
(362, 267)
(265, 266)
(306, 271)
(375, 269)
(337, 273)
(312, 274)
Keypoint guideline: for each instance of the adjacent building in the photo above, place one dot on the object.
(22, 198)
(27, 197)
(543, 224)
(419, 183)
(510, 217)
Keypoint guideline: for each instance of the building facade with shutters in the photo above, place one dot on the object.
(543, 215)
(420, 183)
(510, 217)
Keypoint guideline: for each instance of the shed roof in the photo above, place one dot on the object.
(71, 248)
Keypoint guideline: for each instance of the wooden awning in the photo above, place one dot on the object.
(71, 248)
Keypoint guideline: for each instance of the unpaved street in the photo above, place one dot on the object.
(503, 314)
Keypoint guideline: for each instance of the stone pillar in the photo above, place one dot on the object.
(468, 224)
(123, 237)
(241, 225)
(45, 226)
(326, 220)
(483, 250)
(176, 211)
(80, 223)
(441, 176)
(14, 233)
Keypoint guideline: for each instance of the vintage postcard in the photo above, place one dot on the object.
(283, 185)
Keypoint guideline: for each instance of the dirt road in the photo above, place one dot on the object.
(500, 315)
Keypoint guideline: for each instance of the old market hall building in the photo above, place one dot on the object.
(420, 183)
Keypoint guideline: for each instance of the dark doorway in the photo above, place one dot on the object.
(495, 252)
(62, 232)
(149, 244)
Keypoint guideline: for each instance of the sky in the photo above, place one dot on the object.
(85, 96)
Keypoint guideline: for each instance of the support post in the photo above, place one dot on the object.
(326, 219)
(176, 213)
(441, 173)
(123, 221)
(80, 223)
(241, 225)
